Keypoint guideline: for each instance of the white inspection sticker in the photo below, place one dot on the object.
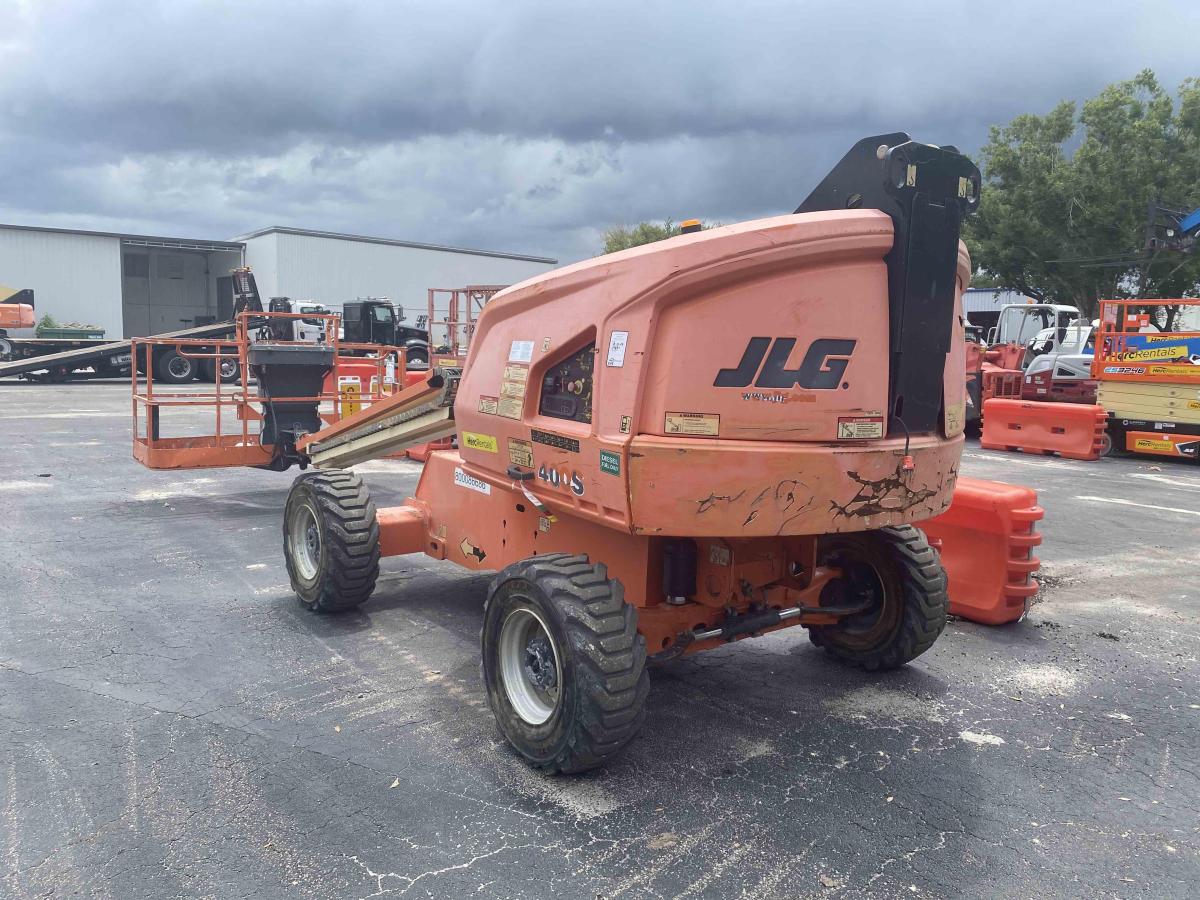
(860, 428)
(462, 479)
(521, 351)
(617, 342)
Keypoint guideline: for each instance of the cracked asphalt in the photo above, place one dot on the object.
(174, 724)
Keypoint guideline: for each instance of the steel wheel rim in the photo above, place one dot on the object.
(862, 581)
(532, 679)
(227, 369)
(179, 367)
(305, 542)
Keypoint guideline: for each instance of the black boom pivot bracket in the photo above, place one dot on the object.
(927, 191)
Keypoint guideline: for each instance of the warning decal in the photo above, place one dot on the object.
(858, 428)
(705, 424)
(520, 453)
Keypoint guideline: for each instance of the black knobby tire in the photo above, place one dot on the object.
(600, 694)
(172, 367)
(331, 540)
(909, 589)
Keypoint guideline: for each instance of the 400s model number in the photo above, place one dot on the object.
(563, 478)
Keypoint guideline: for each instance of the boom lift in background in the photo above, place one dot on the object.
(453, 313)
(645, 502)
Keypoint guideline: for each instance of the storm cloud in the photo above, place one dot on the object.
(524, 126)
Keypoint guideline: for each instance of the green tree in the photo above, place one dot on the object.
(622, 237)
(1069, 226)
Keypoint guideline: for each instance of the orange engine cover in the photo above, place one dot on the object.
(730, 382)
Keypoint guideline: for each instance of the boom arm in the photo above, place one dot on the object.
(927, 191)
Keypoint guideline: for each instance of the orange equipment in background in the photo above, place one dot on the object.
(1038, 351)
(283, 389)
(1148, 364)
(453, 313)
(1071, 430)
(986, 540)
(16, 309)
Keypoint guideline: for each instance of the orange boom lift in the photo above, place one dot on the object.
(679, 445)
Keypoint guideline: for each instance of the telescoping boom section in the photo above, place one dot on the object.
(699, 440)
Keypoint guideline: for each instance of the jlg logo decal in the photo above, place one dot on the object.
(821, 370)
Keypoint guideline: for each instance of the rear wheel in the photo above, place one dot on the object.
(899, 579)
(563, 663)
(331, 541)
(228, 369)
(172, 367)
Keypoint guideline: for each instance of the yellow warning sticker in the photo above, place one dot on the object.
(515, 389)
(485, 442)
(706, 424)
(516, 378)
(520, 453)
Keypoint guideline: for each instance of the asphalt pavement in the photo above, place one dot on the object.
(174, 724)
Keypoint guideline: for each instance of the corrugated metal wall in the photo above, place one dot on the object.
(75, 277)
(262, 257)
(333, 270)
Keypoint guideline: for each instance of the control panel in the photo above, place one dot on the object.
(567, 387)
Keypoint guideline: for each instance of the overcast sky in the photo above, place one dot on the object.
(515, 125)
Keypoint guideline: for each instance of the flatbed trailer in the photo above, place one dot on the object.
(57, 359)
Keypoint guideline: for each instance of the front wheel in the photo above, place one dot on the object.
(331, 541)
(563, 663)
(899, 581)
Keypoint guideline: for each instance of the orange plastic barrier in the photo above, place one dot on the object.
(1073, 430)
(986, 539)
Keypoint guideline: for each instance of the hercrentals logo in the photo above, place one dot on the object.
(822, 368)
(1157, 354)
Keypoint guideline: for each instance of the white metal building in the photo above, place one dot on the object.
(334, 268)
(133, 285)
(128, 284)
